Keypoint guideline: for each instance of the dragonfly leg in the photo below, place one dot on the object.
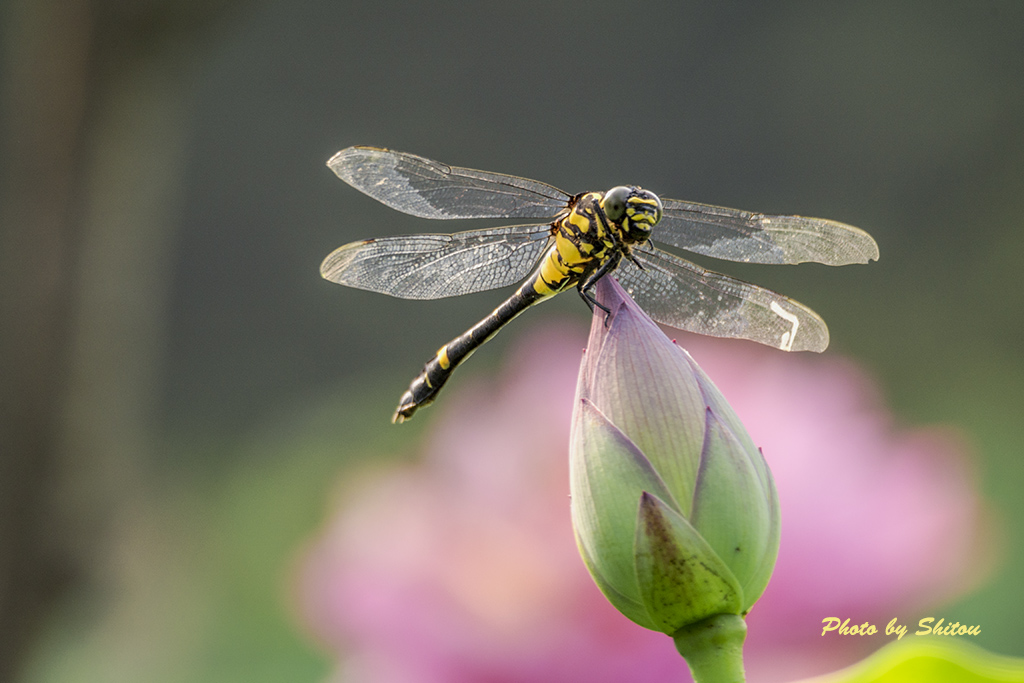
(591, 302)
(587, 285)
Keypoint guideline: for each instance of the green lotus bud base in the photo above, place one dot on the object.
(713, 648)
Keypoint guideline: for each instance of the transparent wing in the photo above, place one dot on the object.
(438, 266)
(683, 295)
(759, 238)
(430, 189)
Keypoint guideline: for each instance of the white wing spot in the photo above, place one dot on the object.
(787, 337)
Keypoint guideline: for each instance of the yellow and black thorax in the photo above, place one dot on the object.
(596, 229)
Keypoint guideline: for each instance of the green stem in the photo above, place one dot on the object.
(713, 648)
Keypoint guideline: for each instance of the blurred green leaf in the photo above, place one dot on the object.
(929, 660)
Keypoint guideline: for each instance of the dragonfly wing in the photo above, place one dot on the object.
(438, 266)
(683, 295)
(430, 189)
(737, 235)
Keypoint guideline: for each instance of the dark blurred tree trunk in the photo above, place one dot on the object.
(95, 94)
(45, 83)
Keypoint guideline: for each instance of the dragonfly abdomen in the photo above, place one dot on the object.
(540, 286)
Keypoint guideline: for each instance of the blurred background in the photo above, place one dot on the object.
(180, 392)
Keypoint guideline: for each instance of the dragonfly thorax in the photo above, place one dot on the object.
(633, 210)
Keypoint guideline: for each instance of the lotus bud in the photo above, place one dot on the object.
(675, 511)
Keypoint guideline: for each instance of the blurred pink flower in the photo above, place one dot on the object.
(463, 567)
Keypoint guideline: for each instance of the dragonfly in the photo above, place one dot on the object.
(583, 238)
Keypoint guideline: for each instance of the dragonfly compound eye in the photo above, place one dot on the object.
(614, 203)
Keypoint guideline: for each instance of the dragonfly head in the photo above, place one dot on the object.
(634, 210)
